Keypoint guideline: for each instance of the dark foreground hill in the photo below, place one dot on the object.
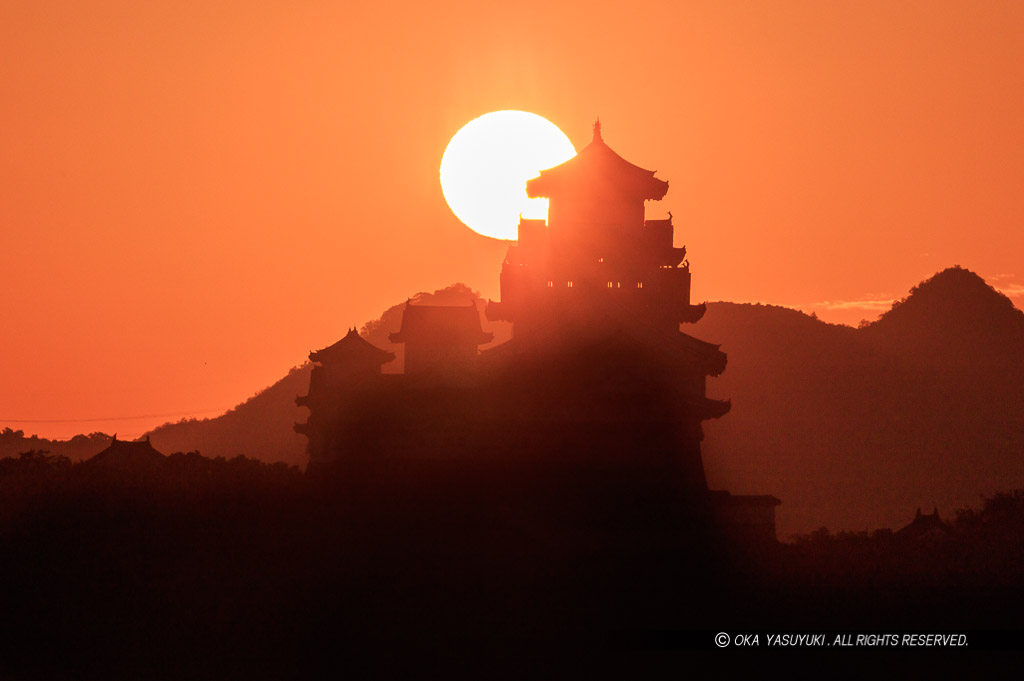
(135, 565)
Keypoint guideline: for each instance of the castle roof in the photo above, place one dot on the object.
(446, 323)
(596, 165)
(708, 355)
(121, 454)
(352, 349)
(925, 526)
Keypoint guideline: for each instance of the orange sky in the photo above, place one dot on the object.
(194, 194)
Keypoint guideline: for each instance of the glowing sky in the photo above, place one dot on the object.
(194, 194)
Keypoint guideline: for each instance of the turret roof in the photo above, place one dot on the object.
(121, 453)
(596, 164)
(352, 348)
(442, 322)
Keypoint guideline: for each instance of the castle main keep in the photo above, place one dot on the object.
(598, 387)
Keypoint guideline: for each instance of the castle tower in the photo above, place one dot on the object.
(597, 388)
(595, 404)
(441, 339)
(341, 373)
(596, 296)
(597, 263)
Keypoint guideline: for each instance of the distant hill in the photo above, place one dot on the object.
(261, 426)
(852, 428)
(15, 442)
(855, 428)
(953, 312)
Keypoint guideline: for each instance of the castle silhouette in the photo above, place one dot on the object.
(597, 400)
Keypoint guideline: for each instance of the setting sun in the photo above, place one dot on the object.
(487, 163)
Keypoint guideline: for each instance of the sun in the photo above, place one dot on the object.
(487, 163)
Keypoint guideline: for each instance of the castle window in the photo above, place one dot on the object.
(610, 285)
(639, 284)
(618, 284)
(551, 284)
(569, 284)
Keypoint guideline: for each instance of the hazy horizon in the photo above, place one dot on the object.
(136, 425)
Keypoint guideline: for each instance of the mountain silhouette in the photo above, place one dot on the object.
(852, 428)
(855, 428)
(78, 448)
(261, 426)
(953, 312)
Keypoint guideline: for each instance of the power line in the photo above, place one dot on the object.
(117, 418)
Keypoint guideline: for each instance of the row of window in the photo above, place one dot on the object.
(611, 284)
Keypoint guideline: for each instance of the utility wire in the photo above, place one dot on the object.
(116, 418)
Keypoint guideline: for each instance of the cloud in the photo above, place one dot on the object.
(1011, 290)
(1006, 284)
(872, 304)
